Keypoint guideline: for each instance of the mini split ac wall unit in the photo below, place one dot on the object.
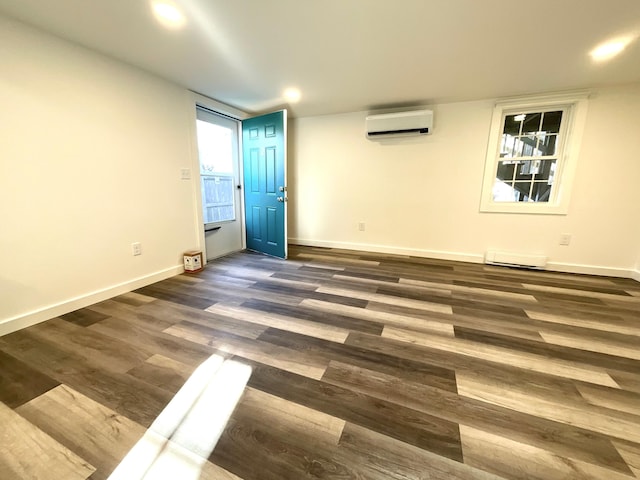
(401, 124)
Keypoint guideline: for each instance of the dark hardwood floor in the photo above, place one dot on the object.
(362, 366)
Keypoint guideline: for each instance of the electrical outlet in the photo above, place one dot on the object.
(136, 248)
(361, 226)
(185, 174)
(565, 239)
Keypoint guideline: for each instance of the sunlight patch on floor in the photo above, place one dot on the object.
(183, 436)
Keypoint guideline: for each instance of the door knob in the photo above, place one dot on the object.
(281, 199)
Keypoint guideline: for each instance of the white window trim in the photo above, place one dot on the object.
(577, 103)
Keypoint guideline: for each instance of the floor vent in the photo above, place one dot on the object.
(519, 260)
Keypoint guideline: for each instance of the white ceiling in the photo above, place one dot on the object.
(351, 55)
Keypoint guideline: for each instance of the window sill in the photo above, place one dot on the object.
(524, 208)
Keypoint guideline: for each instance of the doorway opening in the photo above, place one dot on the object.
(220, 185)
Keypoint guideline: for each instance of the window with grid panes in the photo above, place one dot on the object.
(528, 154)
(528, 168)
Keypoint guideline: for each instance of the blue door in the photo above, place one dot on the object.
(265, 190)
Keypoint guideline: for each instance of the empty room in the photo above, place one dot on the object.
(347, 239)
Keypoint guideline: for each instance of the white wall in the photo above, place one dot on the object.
(421, 196)
(91, 152)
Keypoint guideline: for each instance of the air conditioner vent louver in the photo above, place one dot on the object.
(408, 131)
(401, 124)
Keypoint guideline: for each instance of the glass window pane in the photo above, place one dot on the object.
(531, 123)
(546, 145)
(507, 147)
(545, 170)
(528, 146)
(522, 147)
(511, 126)
(219, 214)
(503, 192)
(215, 148)
(526, 170)
(541, 192)
(218, 198)
(527, 135)
(521, 190)
(505, 170)
(551, 122)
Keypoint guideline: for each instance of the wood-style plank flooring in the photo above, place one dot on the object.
(362, 366)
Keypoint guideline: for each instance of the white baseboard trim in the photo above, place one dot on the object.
(467, 257)
(414, 252)
(589, 269)
(31, 318)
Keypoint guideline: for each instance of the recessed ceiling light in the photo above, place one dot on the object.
(168, 14)
(609, 50)
(292, 95)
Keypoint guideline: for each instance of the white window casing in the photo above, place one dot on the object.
(574, 107)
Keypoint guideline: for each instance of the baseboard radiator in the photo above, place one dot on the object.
(520, 260)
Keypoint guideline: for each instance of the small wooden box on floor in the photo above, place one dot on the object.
(193, 261)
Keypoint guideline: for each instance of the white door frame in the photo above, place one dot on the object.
(196, 100)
